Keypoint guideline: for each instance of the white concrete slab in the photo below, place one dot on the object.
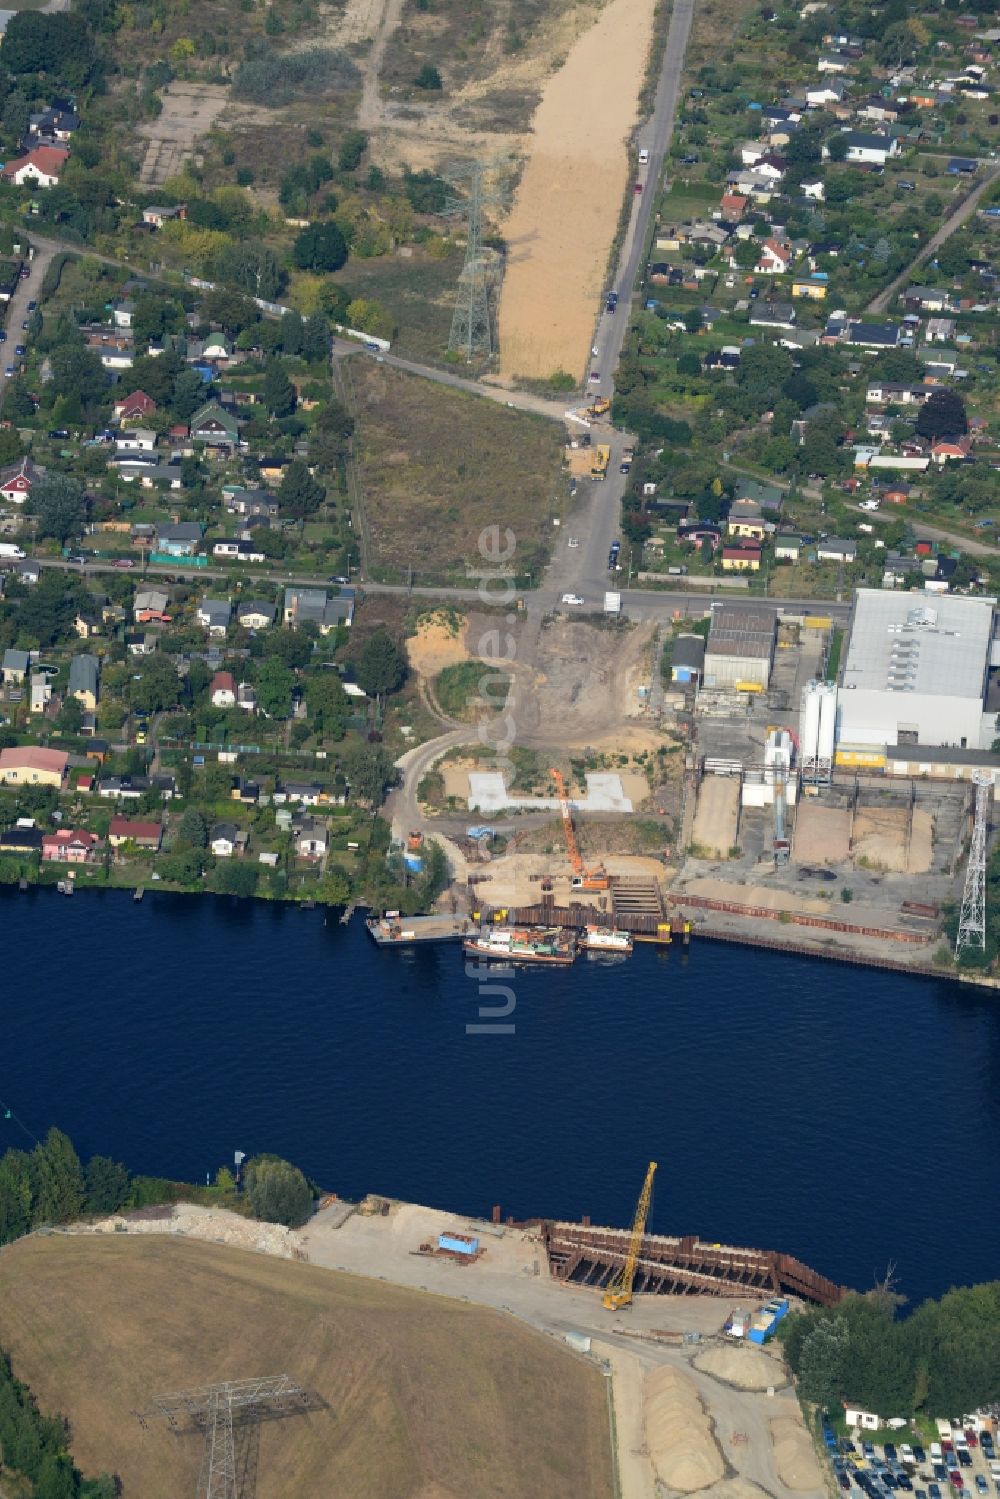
(488, 793)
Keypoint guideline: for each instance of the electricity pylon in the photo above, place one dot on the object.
(972, 920)
(229, 1416)
(472, 324)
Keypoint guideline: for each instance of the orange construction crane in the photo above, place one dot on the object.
(583, 879)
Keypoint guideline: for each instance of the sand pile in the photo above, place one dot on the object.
(794, 1456)
(742, 1365)
(436, 644)
(679, 1436)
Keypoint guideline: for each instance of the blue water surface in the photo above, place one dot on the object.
(824, 1110)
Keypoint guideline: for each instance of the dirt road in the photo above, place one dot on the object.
(564, 216)
(954, 221)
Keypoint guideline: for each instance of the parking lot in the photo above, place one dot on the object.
(962, 1462)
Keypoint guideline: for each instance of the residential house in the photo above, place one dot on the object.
(813, 287)
(948, 448)
(28, 571)
(135, 407)
(734, 206)
(928, 299)
(179, 540)
(246, 697)
(869, 150)
(40, 689)
(772, 315)
(697, 532)
(889, 393)
(312, 838)
(815, 190)
(939, 330)
(963, 166)
(222, 840)
(122, 313)
(830, 91)
(256, 614)
(84, 681)
(123, 788)
(29, 765)
(787, 548)
(23, 838)
(835, 549)
(774, 258)
(71, 846)
(253, 502)
(17, 478)
(87, 624)
(215, 426)
(15, 667)
(306, 793)
(315, 604)
(745, 520)
(833, 62)
(41, 167)
(116, 351)
(223, 690)
(214, 615)
(132, 830)
(155, 216)
(151, 604)
(744, 558)
(897, 494)
(216, 347)
(136, 440)
(873, 335)
(767, 496)
(238, 550)
(880, 111)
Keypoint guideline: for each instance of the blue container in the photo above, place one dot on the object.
(458, 1245)
(413, 862)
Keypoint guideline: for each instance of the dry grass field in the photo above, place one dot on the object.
(439, 466)
(426, 1398)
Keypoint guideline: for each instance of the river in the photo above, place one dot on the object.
(847, 1116)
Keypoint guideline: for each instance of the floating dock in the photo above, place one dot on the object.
(583, 1255)
(393, 930)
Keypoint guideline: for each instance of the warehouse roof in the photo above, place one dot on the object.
(739, 631)
(933, 754)
(901, 644)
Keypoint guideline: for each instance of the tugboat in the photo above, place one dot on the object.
(522, 945)
(606, 939)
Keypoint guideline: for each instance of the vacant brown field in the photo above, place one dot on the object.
(427, 1398)
(438, 466)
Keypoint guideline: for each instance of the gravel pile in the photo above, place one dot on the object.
(743, 1366)
(196, 1222)
(678, 1433)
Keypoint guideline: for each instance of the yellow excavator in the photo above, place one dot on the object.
(619, 1290)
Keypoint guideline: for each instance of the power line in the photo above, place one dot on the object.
(472, 323)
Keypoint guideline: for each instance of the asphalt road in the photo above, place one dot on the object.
(16, 311)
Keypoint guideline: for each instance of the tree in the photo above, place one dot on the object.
(76, 370)
(428, 77)
(193, 831)
(253, 267)
(59, 44)
(71, 716)
(328, 703)
(380, 665)
(158, 685)
(371, 772)
(279, 392)
(58, 505)
(353, 145)
(821, 1366)
(316, 340)
(274, 688)
(942, 415)
(277, 1191)
(57, 1180)
(107, 1184)
(837, 148)
(299, 494)
(232, 877)
(689, 363)
(333, 427)
(693, 320)
(189, 394)
(321, 247)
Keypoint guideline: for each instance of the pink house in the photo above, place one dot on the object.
(70, 846)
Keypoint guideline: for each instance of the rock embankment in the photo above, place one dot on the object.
(219, 1227)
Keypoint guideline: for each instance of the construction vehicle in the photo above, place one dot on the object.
(618, 1294)
(600, 461)
(599, 407)
(583, 878)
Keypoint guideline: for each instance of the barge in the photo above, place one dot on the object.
(393, 930)
(522, 945)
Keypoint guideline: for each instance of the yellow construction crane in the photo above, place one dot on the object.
(619, 1291)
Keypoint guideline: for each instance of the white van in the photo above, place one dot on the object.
(936, 1453)
(643, 157)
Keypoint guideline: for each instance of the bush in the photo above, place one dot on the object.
(321, 247)
(295, 75)
(278, 1192)
(428, 78)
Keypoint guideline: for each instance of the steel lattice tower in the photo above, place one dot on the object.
(471, 324)
(972, 920)
(229, 1416)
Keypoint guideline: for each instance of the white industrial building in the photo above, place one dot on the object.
(918, 672)
(740, 649)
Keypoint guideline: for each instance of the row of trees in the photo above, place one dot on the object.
(943, 1359)
(36, 1446)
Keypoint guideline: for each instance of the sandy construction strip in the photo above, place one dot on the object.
(794, 1456)
(563, 221)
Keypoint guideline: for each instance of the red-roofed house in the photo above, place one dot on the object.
(85, 783)
(947, 448)
(40, 168)
(17, 479)
(734, 206)
(132, 830)
(223, 690)
(774, 258)
(71, 846)
(135, 407)
(741, 559)
(29, 765)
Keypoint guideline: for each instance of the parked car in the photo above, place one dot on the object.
(965, 1457)
(572, 598)
(843, 1480)
(890, 1452)
(970, 1437)
(123, 562)
(919, 1454)
(955, 1479)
